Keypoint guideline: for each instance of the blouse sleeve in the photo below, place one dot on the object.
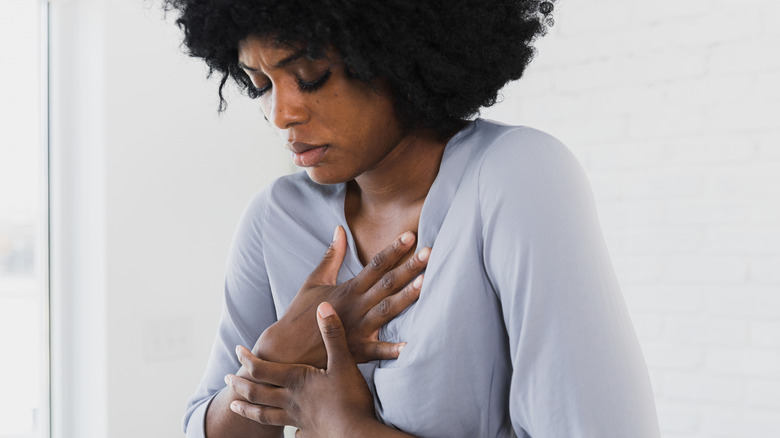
(248, 309)
(578, 370)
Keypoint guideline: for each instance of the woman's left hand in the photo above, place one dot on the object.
(331, 402)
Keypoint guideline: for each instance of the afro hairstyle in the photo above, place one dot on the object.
(443, 59)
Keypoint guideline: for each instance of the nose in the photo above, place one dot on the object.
(287, 108)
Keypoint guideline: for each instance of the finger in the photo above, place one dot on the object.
(298, 433)
(334, 337)
(384, 261)
(392, 281)
(393, 305)
(261, 414)
(257, 393)
(262, 371)
(382, 350)
(328, 269)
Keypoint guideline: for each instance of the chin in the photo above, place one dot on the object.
(320, 176)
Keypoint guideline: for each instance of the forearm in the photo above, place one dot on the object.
(221, 422)
(278, 343)
(273, 345)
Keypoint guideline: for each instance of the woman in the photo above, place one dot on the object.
(518, 328)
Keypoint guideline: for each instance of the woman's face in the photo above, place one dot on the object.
(336, 127)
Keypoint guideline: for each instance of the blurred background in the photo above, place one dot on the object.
(120, 188)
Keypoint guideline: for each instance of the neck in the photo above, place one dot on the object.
(404, 176)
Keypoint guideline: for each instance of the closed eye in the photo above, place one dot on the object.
(257, 92)
(304, 86)
(310, 87)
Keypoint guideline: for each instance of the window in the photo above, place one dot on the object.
(24, 267)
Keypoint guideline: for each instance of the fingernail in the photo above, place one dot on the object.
(401, 348)
(325, 310)
(234, 407)
(335, 234)
(417, 282)
(424, 254)
(406, 237)
(227, 381)
(238, 352)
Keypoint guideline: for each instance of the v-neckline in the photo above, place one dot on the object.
(453, 163)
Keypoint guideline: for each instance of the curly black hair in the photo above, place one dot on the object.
(443, 59)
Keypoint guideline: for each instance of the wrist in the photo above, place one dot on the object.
(284, 344)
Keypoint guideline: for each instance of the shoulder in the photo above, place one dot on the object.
(516, 151)
(519, 157)
(288, 193)
(530, 173)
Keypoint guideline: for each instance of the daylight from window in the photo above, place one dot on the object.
(23, 222)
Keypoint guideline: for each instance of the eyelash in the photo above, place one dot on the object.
(306, 87)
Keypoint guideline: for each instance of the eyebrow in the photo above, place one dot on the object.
(294, 57)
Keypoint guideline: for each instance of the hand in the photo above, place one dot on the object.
(368, 301)
(331, 402)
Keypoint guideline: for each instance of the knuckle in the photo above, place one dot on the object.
(346, 288)
(251, 368)
(294, 379)
(387, 281)
(384, 308)
(379, 261)
(261, 416)
(332, 329)
(411, 264)
(409, 293)
(252, 394)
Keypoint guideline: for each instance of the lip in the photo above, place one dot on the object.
(306, 155)
(300, 147)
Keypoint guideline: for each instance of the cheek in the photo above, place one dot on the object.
(328, 104)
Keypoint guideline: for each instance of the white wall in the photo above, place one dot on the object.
(148, 186)
(674, 107)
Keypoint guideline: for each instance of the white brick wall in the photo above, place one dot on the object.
(673, 107)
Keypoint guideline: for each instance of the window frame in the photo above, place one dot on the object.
(44, 246)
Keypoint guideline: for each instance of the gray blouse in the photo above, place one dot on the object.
(520, 329)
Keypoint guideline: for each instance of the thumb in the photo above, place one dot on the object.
(328, 269)
(334, 337)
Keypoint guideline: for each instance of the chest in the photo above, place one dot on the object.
(452, 378)
(373, 232)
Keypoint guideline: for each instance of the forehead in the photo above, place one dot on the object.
(266, 53)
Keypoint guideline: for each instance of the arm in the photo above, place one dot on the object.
(369, 301)
(332, 402)
(338, 394)
(248, 309)
(578, 370)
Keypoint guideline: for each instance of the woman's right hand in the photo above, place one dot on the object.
(379, 293)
